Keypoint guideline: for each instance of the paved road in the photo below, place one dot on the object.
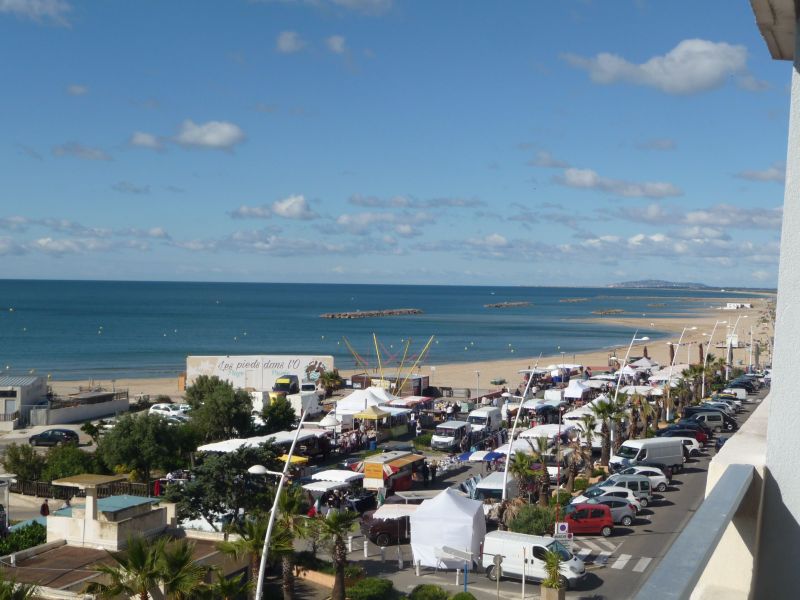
(617, 566)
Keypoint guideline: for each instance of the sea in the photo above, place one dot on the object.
(115, 329)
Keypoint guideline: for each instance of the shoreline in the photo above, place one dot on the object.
(470, 374)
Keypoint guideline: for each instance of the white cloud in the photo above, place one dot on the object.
(219, 135)
(776, 172)
(289, 42)
(60, 246)
(336, 44)
(10, 247)
(691, 67)
(657, 144)
(293, 207)
(405, 202)
(751, 84)
(252, 212)
(545, 159)
(588, 179)
(76, 89)
(41, 11)
(145, 140)
(726, 215)
(80, 151)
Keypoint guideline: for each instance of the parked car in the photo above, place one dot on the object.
(665, 469)
(167, 410)
(695, 425)
(54, 437)
(745, 383)
(597, 491)
(385, 532)
(589, 518)
(638, 484)
(684, 432)
(658, 481)
(720, 442)
(623, 512)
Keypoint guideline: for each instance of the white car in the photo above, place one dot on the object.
(168, 410)
(611, 491)
(658, 481)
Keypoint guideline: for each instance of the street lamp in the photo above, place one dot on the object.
(672, 365)
(257, 469)
(729, 347)
(477, 384)
(705, 358)
(624, 362)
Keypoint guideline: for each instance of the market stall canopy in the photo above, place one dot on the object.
(595, 383)
(321, 487)
(640, 390)
(448, 520)
(629, 370)
(362, 399)
(567, 366)
(296, 460)
(664, 374)
(410, 401)
(550, 431)
(603, 377)
(395, 511)
(576, 389)
(645, 363)
(340, 475)
(372, 413)
(515, 446)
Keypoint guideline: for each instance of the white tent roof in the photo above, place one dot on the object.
(595, 383)
(569, 366)
(645, 362)
(628, 370)
(394, 511)
(604, 377)
(320, 487)
(519, 445)
(548, 431)
(449, 520)
(576, 389)
(664, 373)
(641, 390)
(340, 475)
(362, 399)
(280, 437)
(409, 401)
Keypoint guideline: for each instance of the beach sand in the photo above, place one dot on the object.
(463, 375)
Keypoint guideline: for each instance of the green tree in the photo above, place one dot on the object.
(521, 467)
(335, 528)
(138, 571)
(603, 412)
(291, 521)
(221, 485)
(92, 430)
(24, 462)
(330, 380)
(278, 415)
(142, 443)
(588, 424)
(541, 451)
(181, 576)
(249, 545)
(228, 589)
(218, 411)
(533, 520)
(11, 590)
(65, 461)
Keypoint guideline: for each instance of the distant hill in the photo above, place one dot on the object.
(658, 283)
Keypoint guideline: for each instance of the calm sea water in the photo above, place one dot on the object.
(76, 330)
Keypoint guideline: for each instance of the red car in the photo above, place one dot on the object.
(589, 518)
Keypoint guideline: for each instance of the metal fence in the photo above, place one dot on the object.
(43, 489)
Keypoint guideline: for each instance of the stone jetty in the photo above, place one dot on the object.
(506, 304)
(368, 314)
(612, 311)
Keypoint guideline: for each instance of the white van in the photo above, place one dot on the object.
(740, 393)
(487, 419)
(510, 546)
(667, 451)
(490, 490)
(448, 436)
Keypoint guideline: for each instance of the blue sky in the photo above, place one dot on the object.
(390, 141)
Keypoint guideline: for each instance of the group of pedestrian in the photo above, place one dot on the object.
(428, 472)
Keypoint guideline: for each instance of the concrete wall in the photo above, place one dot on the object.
(102, 533)
(778, 575)
(86, 412)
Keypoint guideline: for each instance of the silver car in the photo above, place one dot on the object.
(622, 512)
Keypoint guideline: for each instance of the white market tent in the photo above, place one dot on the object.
(629, 370)
(395, 511)
(641, 390)
(549, 431)
(280, 437)
(576, 389)
(645, 363)
(518, 445)
(603, 377)
(595, 383)
(664, 374)
(449, 520)
(340, 475)
(362, 399)
(322, 487)
(409, 401)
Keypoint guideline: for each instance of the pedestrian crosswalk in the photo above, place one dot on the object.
(600, 552)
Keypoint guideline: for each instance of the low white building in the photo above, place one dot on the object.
(17, 395)
(737, 305)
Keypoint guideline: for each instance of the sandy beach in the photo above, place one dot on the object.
(464, 375)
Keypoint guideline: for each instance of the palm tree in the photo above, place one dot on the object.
(182, 577)
(521, 467)
(588, 424)
(11, 590)
(291, 522)
(632, 415)
(603, 412)
(576, 460)
(330, 380)
(619, 414)
(646, 412)
(541, 449)
(249, 545)
(228, 589)
(137, 572)
(334, 529)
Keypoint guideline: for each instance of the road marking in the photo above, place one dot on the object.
(590, 545)
(610, 546)
(583, 553)
(642, 564)
(621, 561)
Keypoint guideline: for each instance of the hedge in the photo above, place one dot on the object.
(371, 588)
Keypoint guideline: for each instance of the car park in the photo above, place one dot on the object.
(589, 518)
(658, 481)
(622, 511)
(54, 437)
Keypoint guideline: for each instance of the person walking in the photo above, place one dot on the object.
(44, 509)
(426, 473)
(434, 467)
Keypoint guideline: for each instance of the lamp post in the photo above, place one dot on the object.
(672, 366)
(705, 358)
(624, 362)
(259, 469)
(729, 347)
(477, 384)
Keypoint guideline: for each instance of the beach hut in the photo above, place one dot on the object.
(448, 520)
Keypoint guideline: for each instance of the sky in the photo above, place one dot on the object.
(390, 141)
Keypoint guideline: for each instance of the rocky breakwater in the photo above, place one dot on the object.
(368, 314)
(506, 304)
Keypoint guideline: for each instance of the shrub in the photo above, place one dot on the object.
(423, 441)
(23, 538)
(427, 591)
(463, 596)
(533, 520)
(371, 588)
(581, 483)
(562, 498)
(598, 473)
